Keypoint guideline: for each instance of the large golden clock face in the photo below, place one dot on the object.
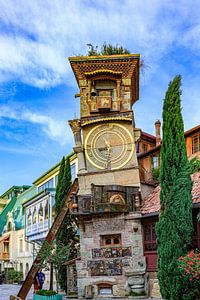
(109, 146)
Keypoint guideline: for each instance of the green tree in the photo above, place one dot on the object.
(60, 190)
(67, 232)
(53, 255)
(194, 165)
(174, 229)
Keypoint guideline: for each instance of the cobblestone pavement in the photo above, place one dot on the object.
(12, 289)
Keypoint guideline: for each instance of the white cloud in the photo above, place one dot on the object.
(39, 35)
(55, 129)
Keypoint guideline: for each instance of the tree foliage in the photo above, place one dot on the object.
(194, 165)
(53, 255)
(67, 232)
(60, 189)
(106, 49)
(174, 229)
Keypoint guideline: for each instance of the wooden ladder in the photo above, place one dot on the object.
(65, 209)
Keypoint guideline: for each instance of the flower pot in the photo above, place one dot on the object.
(41, 297)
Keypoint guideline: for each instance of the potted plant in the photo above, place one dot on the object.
(46, 295)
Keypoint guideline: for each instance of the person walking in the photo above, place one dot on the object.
(41, 277)
(36, 283)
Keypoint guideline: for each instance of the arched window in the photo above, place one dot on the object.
(40, 213)
(34, 216)
(46, 211)
(9, 226)
(21, 267)
(29, 218)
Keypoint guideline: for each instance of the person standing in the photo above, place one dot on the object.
(36, 282)
(41, 277)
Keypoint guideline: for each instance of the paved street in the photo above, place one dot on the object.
(11, 289)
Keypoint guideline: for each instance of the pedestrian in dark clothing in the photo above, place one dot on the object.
(41, 277)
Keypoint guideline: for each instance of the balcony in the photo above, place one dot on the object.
(37, 228)
(5, 255)
(108, 199)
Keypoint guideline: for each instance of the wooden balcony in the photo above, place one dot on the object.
(107, 199)
(5, 255)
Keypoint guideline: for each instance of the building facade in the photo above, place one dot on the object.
(15, 252)
(151, 201)
(40, 208)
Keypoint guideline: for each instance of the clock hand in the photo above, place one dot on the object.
(107, 145)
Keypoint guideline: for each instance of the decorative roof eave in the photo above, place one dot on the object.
(105, 71)
(102, 57)
(84, 123)
(38, 196)
(192, 130)
(129, 64)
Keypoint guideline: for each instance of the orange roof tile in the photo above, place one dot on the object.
(151, 203)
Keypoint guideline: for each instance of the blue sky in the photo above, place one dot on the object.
(37, 86)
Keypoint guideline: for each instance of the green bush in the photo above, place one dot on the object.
(14, 276)
(46, 293)
(189, 267)
(156, 173)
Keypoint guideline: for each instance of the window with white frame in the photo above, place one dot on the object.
(46, 185)
(73, 171)
(155, 162)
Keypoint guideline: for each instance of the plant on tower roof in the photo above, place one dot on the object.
(106, 49)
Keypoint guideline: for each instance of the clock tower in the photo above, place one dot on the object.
(107, 205)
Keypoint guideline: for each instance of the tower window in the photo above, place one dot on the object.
(111, 240)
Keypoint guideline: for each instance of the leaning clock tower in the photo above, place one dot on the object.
(107, 205)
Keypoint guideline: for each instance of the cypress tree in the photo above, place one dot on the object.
(174, 229)
(67, 232)
(59, 188)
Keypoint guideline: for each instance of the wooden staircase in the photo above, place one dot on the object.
(65, 209)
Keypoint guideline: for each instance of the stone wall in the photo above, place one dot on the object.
(91, 231)
(154, 289)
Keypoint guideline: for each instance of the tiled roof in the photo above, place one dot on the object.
(151, 203)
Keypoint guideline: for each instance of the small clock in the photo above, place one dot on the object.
(109, 146)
